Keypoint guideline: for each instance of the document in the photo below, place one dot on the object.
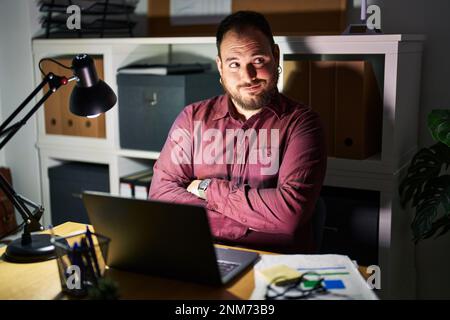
(341, 276)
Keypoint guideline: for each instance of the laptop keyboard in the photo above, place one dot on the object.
(225, 267)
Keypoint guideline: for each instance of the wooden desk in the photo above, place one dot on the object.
(41, 281)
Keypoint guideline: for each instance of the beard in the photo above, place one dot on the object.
(257, 101)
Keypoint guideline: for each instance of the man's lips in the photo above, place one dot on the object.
(252, 88)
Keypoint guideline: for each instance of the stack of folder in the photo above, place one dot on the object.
(347, 98)
(136, 185)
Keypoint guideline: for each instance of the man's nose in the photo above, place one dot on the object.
(249, 73)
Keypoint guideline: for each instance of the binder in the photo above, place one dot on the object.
(126, 187)
(313, 83)
(296, 80)
(53, 109)
(322, 97)
(347, 98)
(358, 111)
(142, 186)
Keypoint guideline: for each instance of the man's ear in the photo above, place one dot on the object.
(276, 53)
(219, 65)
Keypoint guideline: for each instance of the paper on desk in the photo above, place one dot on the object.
(333, 268)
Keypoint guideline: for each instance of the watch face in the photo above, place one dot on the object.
(204, 184)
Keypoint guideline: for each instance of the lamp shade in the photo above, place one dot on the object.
(90, 96)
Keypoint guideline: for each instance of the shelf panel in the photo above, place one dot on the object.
(212, 40)
(81, 143)
(153, 155)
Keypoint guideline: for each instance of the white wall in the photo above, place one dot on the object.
(431, 19)
(16, 82)
(141, 7)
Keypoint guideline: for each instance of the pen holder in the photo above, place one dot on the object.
(81, 261)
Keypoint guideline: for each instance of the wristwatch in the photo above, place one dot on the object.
(202, 186)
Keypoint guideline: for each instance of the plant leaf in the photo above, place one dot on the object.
(442, 223)
(436, 193)
(425, 165)
(439, 125)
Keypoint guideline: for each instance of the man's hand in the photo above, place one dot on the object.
(193, 188)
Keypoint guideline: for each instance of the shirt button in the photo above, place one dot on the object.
(243, 220)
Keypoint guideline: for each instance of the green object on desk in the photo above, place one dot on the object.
(106, 289)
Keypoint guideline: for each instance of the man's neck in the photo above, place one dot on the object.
(247, 114)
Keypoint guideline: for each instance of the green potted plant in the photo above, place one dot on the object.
(427, 182)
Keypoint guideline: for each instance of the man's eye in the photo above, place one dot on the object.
(234, 65)
(259, 60)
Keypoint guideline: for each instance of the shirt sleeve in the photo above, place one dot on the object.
(173, 171)
(300, 177)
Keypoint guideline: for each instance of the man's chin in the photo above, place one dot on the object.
(253, 105)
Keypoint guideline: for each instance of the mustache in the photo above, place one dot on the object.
(253, 83)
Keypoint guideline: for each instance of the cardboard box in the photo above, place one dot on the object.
(286, 17)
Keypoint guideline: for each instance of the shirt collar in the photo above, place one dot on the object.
(224, 105)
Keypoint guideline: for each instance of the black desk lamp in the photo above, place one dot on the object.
(90, 97)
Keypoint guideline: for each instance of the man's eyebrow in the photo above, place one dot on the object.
(256, 53)
(230, 59)
(260, 53)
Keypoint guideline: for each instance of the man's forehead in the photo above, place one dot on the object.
(250, 40)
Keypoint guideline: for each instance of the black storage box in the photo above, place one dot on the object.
(149, 104)
(67, 181)
(351, 225)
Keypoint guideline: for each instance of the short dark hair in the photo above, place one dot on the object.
(241, 20)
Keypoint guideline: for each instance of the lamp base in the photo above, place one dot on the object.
(40, 249)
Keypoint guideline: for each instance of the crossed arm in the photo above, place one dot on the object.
(279, 209)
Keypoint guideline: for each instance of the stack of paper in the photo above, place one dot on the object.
(341, 277)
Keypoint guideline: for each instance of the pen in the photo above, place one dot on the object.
(92, 249)
(78, 260)
(86, 253)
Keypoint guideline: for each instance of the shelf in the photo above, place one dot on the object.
(400, 79)
(62, 141)
(138, 154)
(212, 40)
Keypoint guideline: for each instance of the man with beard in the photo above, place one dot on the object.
(260, 186)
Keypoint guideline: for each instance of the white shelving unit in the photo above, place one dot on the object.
(402, 68)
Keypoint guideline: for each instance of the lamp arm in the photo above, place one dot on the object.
(20, 203)
(54, 83)
(24, 103)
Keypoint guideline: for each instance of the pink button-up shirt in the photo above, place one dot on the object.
(266, 172)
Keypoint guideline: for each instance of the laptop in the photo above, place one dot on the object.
(163, 239)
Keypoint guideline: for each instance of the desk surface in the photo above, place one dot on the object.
(41, 281)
